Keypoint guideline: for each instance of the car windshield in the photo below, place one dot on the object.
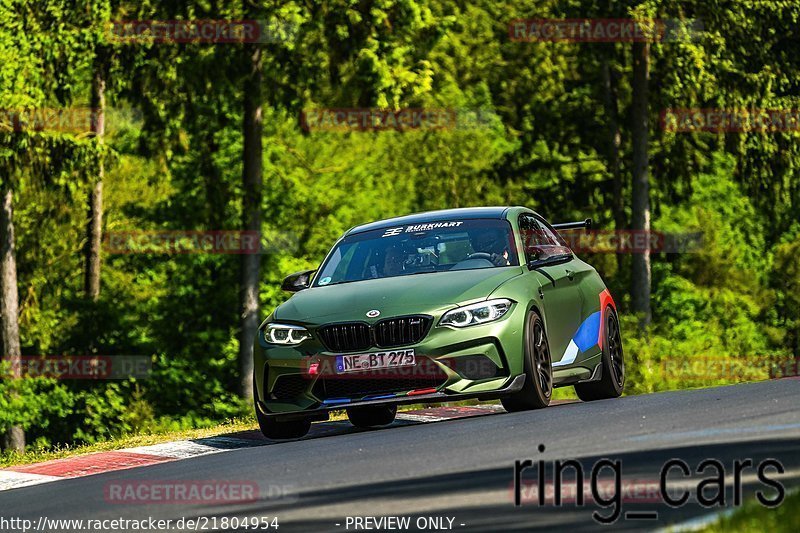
(420, 248)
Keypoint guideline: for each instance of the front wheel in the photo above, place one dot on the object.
(367, 417)
(538, 387)
(293, 429)
(612, 381)
(275, 430)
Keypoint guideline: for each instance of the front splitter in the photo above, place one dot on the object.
(321, 411)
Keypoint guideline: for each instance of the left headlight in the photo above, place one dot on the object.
(285, 334)
(479, 313)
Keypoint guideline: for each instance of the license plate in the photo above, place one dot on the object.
(371, 361)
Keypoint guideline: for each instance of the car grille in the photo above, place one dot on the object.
(289, 387)
(388, 333)
(346, 337)
(426, 374)
(400, 331)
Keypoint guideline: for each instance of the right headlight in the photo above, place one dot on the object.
(479, 313)
(285, 334)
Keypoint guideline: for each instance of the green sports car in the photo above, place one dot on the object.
(483, 303)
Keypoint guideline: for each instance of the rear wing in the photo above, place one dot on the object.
(574, 225)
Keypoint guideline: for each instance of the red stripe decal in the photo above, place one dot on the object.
(605, 301)
(86, 465)
(422, 391)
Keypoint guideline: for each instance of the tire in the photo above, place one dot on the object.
(275, 430)
(612, 381)
(367, 417)
(538, 387)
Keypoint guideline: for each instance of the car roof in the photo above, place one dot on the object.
(462, 213)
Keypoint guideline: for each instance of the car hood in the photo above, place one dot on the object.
(420, 293)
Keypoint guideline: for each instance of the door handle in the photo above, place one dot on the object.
(570, 274)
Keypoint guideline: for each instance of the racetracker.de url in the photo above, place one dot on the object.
(200, 523)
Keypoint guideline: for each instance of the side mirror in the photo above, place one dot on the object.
(549, 260)
(534, 254)
(297, 281)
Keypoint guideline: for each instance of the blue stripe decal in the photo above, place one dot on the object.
(379, 397)
(588, 333)
(336, 400)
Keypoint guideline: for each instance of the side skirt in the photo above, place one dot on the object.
(597, 373)
(590, 369)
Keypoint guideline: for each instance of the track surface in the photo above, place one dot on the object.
(464, 469)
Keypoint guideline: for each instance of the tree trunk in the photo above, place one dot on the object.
(94, 226)
(14, 438)
(251, 211)
(610, 98)
(640, 207)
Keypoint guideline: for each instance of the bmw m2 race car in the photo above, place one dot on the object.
(442, 306)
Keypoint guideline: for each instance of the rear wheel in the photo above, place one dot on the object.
(367, 417)
(538, 388)
(612, 382)
(273, 429)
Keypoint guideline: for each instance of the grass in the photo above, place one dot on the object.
(756, 518)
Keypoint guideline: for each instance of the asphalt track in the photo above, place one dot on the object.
(463, 469)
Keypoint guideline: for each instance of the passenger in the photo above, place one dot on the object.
(492, 242)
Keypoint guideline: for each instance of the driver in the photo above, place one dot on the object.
(493, 242)
(393, 261)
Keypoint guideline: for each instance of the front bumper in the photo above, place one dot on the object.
(515, 384)
(482, 361)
